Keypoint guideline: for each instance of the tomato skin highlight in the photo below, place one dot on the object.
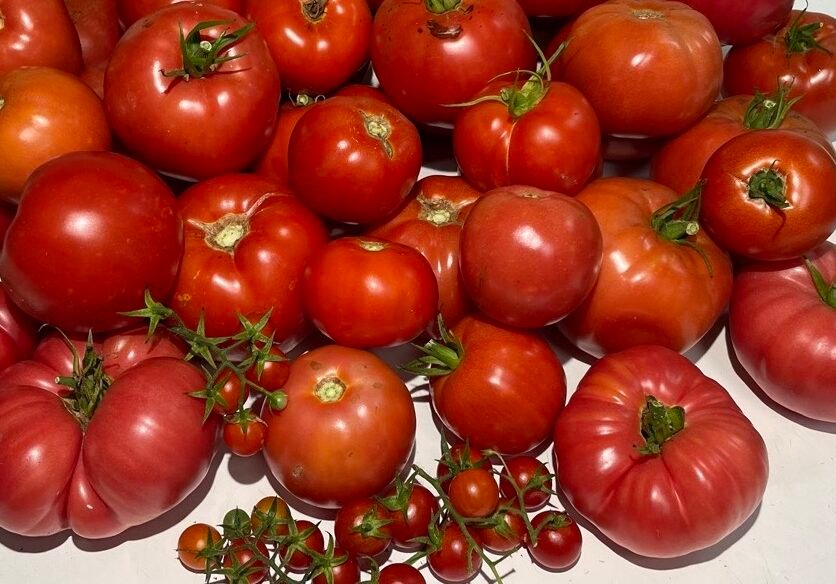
(450, 562)
(474, 493)
(194, 539)
(38, 34)
(743, 23)
(555, 549)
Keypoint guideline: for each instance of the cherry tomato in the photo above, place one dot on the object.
(411, 509)
(348, 572)
(132, 10)
(558, 543)
(243, 562)
(474, 493)
(231, 394)
(461, 458)
(526, 471)
(308, 535)
(194, 540)
(400, 574)
(362, 528)
(271, 516)
(453, 561)
(245, 436)
(506, 535)
(274, 374)
(272, 163)
(38, 33)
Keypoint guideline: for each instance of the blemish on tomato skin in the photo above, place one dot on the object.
(298, 472)
(315, 365)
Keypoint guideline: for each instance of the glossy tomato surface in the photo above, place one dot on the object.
(556, 7)
(454, 560)
(97, 25)
(132, 10)
(18, 333)
(272, 163)
(38, 33)
(745, 21)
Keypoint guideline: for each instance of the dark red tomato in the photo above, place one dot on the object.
(93, 231)
(657, 455)
(400, 574)
(769, 195)
(529, 475)
(194, 540)
(271, 517)
(317, 44)
(367, 292)
(745, 21)
(197, 117)
(782, 325)
(529, 257)
(654, 286)
(360, 90)
(248, 242)
(132, 10)
(18, 333)
(273, 161)
(231, 394)
(474, 493)
(347, 431)
(543, 135)
(560, 8)
(38, 33)
(506, 535)
(244, 436)
(97, 24)
(362, 528)
(243, 563)
(347, 572)
(802, 54)
(558, 544)
(460, 458)
(353, 159)
(7, 215)
(648, 67)
(430, 55)
(626, 149)
(274, 374)
(431, 222)
(311, 536)
(454, 561)
(680, 162)
(411, 510)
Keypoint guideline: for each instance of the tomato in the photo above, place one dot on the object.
(561, 8)
(453, 561)
(97, 24)
(411, 509)
(132, 10)
(529, 257)
(655, 285)
(769, 195)
(270, 517)
(347, 572)
(803, 54)
(347, 431)
(231, 394)
(474, 493)
(400, 574)
(44, 113)
(362, 528)
(274, 374)
(94, 230)
(744, 22)
(537, 133)
(429, 55)
(648, 67)
(367, 292)
(38, 33)
(248, 242)
(195, 117)
(353, 159)
(529, 475)
(783, 330)
(272, 163)
(558, 543)
(243, 563)
(431, 222)
(194, 540)
(460, 458)
(18, 333)
(506, 535)
(681, 161)
(310, 536)
(136, 454)
(361, 90)
(317, 44)
(691, 472)
(244, 435)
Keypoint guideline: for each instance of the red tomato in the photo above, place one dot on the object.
(802, 54)
(558, 544)
(38, 33)
(244, 436)
(681, 161)
(136, 455)
(453, 561)
(537, 133)
(194, 118)
(769, 195)
(362, 528)
(530, 475)
(271, 517)
(474, 493)
(529, 257)
(317, 44)
(684, 478)
(347, 572)
(411, 510)
(745, 21)
(367, 292)
(460, 458)
(353, 159)
(274, 374)
(132, 10)
(431, 222)
(194, 540)
(508, 534)
(430, 55)
(94, 230)
(655, 286)
(44, 113)
(557, 7)
(400, 574)
(360, 90)
(273, 161)
(243, 563)
(231, 394)
(783, 330)
(248, 242)
(347, 430)
(18, 333)
(97, 24)
(309, 534)
(648, 67)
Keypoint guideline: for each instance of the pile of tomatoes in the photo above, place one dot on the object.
(191, 192)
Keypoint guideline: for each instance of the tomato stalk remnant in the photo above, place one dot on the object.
(677, 221)
(659, 423)
(801, 39)
(314, 10)
(767, 112)
(770, 186)
(440, 358)
(827, 292)
(202, 57)
(439, 212)
(442, 6)
(329, 390)
(379, 128)
(88, 383)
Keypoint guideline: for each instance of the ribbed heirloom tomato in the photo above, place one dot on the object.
(18, 333)
(38, 33)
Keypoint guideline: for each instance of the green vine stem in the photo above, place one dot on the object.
(203, 57)
(440, 357)
(659, 423)
(827, 292)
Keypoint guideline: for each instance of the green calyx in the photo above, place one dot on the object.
(203, 57)
(801, 38)
(827, 292)
(442, 6)
(768, 112)
(440, 357)
(88, 383)
(659, 423)
(678, 221)
(767, 184)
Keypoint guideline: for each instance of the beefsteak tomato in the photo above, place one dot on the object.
(38, 33)
(18, 333)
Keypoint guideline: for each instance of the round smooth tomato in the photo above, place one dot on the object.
(663, 281)
(474, 493)
(560, 8)
(347, 431)
(411, 508)
(244, 435)
(272, 163)
(353, 159)
(558, 543)
(308, 534)
(429, 55)
(93, 231)
(362, 90)
(38, 34)
(248, 243)
(802, 55)
(274, 373)
(244, 564)
(347, 572)
(317, 44)
(192, 542)
(657, 455)
(366, 292)
(529, 475)
(782, 325)
(454, 561)
(505, 535)
(648, 67)
(271, 517)
(431, 222)
(529, 257)
(45, 113)
(745, 21)
(192, 110)
(132, 10)
(400, 574)
(362, 528)
(459, 458)
(769, 195)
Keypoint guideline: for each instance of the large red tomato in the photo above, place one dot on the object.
(802, 54)
(199, 109)
(648, 67)
(782, 323)
(38, 33)
(132, 10)
(272, 162)
(429, 55)
(94, 230)
(97, 24)
(743, 22)
(248, 242)
(317, 44)
(659, 284)
(657, 455)
(18, 333)
(108, 455)
(347, 431)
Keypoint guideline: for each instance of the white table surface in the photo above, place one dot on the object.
(790, 538)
